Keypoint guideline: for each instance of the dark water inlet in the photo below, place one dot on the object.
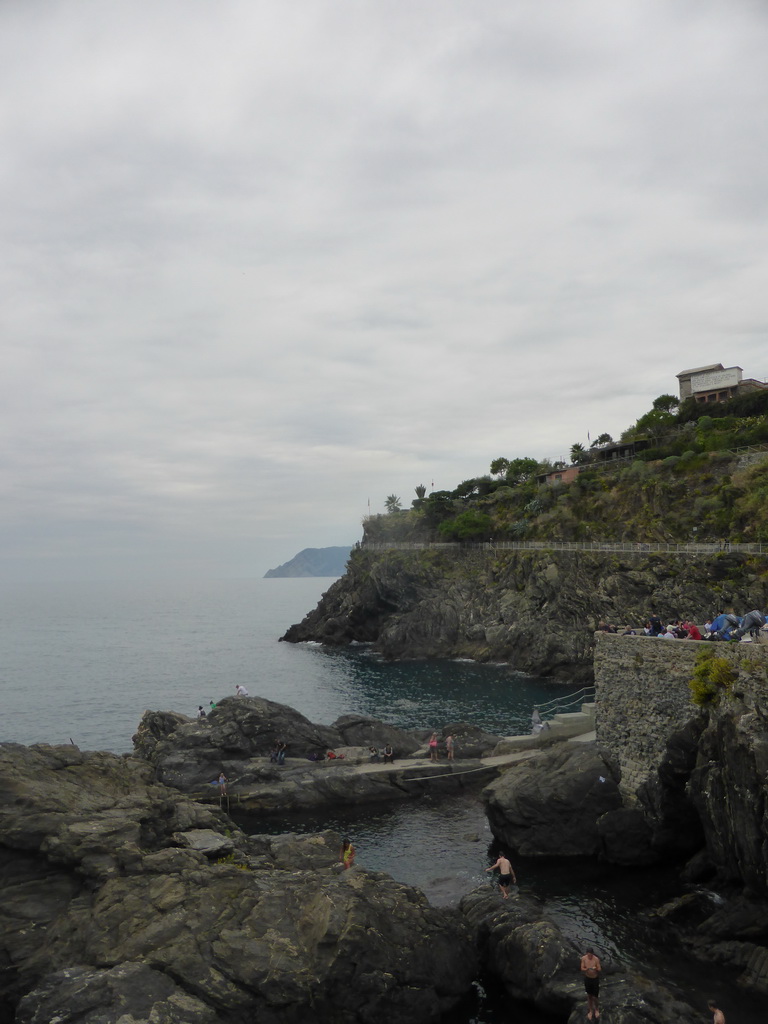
(443, 844)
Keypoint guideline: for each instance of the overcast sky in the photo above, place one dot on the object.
(265, 261)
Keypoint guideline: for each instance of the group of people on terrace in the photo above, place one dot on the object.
(721, 626)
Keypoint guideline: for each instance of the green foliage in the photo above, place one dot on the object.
(230, 858)
(655, 424)
(521, 470)
(469, 525)
(666, 403)
(603, 439)
(392, 504)
(712, 678)
(421, 491)
(579, 454)
(499, 466)
(465, 489)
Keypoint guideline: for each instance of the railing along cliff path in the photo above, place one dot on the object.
(692, 548)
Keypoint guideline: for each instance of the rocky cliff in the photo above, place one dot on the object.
(536, 610)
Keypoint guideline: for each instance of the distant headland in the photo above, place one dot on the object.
(313, 562)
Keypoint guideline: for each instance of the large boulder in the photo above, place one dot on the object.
(550, 805)
(239, 734)
(188, 753)
(361, 731)
(114, 886)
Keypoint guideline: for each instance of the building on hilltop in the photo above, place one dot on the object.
(716, 383)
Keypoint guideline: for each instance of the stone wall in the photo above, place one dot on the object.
(642, 698)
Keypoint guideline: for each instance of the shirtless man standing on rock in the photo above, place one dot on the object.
(590, 967)
(718, 1017)
(506, 875)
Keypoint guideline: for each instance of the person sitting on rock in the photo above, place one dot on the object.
(655, 623)
(693, 630)
(389, 754)
(347, 854)
(374, 752)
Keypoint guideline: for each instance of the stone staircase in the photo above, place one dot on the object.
(564, 725)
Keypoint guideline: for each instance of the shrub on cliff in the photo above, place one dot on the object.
(470, 525)
(712, 678)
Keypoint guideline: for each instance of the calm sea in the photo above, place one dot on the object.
(83, 661)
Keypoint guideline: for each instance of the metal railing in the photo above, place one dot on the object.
(625, 547)
(560, 705)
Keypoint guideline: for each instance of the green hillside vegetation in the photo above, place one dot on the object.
(685, 483)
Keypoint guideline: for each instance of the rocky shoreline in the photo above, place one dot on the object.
(126, 899)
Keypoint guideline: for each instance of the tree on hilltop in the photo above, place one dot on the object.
(666, 403)
(515, 471)
(392, 503)
(601, 440)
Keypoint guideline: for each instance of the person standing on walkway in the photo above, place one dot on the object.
(449, 746)
(433, 747)
(718, 1015)
(506, 874)
(590, 968)
(222, 784)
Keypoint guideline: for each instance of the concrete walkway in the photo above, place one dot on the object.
(413, 769)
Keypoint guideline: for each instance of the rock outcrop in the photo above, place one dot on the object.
(188, 754)
(123, 900)
(537, 610)
(551, 806)
(528, 954)
(238, 735)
